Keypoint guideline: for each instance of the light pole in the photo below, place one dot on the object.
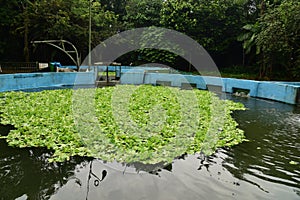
(90, 33)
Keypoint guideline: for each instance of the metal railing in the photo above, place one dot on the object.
(18, 67)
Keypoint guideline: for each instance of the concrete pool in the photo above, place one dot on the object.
(286, 92)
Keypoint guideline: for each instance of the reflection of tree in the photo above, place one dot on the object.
(273, 136)
(97, 180)
(205, 161)
(27, 171)
(151, 168)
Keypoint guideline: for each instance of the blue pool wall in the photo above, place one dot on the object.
(287, 92)
(279, 91)
(11, 82)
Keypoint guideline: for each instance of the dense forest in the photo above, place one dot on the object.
(252, 36)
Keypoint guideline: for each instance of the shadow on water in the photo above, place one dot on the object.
(27, 173)
(266, 167)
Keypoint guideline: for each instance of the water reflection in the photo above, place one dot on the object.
(273, 151)
(96, 181)
(26, 173)
(263, 168)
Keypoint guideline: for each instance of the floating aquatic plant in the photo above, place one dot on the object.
(125, 123)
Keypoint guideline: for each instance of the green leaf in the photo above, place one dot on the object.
(293, 162)
(132, 123)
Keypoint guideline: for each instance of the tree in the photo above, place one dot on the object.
(25, 21)
(276, 36)
(71, 21)
(116, 6)
(142, 13)
(213, 24)
(9, 12)
(279, 38)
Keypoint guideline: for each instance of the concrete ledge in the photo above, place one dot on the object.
(278, 91)
(215, 84)
(174, 79)
(287, 83)
(198, 80)
(9, 82)
(142, 77)
(135, 78)
(250, 85)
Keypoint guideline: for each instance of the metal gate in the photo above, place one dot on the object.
(18, 67)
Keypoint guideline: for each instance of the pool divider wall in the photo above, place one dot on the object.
(277, 91)
(9, 82)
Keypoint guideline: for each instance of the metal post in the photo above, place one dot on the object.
(90, 34)
(107, 77)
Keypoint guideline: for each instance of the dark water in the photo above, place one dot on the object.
(263, 168)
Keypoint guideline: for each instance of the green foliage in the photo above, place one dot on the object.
(214, 24)
(275, 35)
(163, 53)
(135, 123)
(268, 30)
(58, 19)
(249, 37)
(145, 13)
(142, 13)
(279, 38)
(42, 119)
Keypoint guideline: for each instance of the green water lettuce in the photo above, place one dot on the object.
(125, 123)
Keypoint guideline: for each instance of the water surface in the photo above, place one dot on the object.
(265, 167)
